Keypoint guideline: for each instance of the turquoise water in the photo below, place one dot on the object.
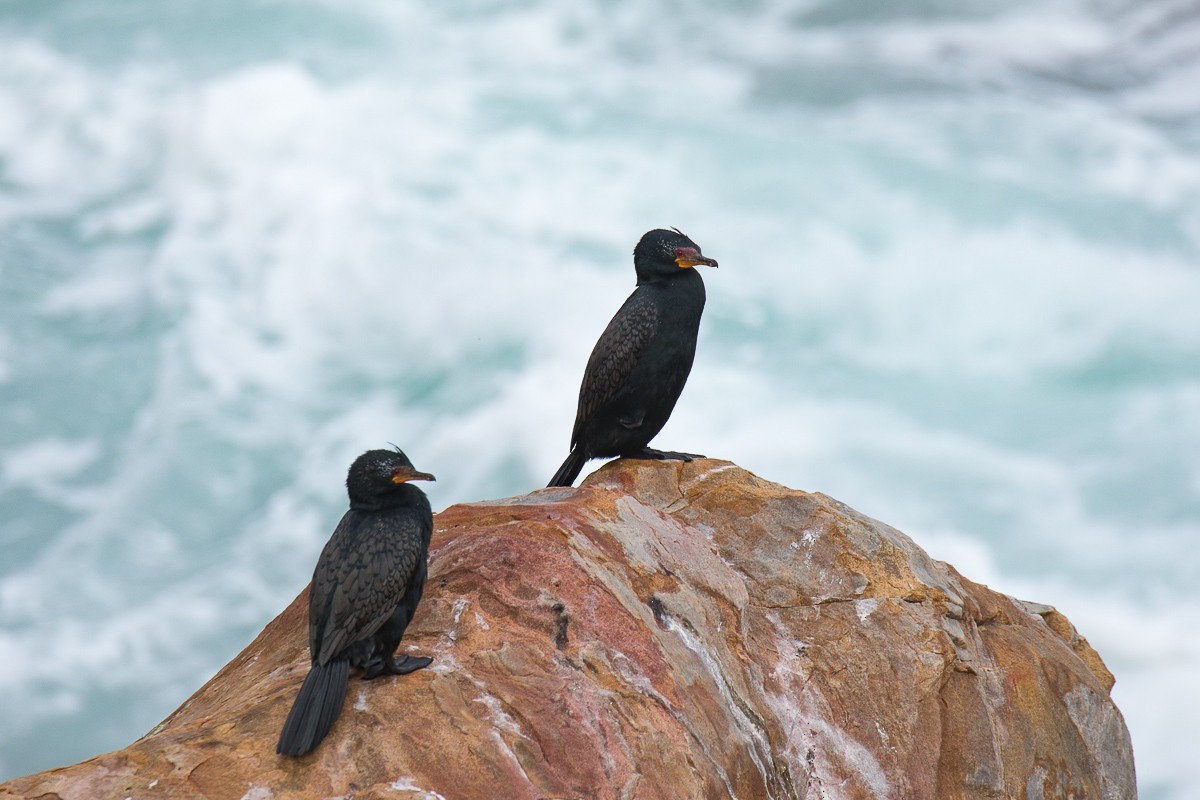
(242, 242)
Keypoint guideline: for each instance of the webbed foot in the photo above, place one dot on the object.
(395, 666)
(664, 455)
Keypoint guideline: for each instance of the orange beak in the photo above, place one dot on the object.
(405, 474)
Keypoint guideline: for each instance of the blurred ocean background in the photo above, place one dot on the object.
(241, 242)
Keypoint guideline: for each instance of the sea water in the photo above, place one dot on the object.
(241, 242)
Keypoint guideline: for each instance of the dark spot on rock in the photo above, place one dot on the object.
(560, 626)
(660, 611)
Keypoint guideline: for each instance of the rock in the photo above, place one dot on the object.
(667, 630)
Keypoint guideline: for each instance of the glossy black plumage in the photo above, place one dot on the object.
(641, 362)
(365, 588)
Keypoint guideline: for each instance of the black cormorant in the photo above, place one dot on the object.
(642, 360)
(365, 588)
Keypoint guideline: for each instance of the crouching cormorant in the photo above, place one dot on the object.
(638, 367)
(367, 584)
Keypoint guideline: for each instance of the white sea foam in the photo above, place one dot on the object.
(46, 462)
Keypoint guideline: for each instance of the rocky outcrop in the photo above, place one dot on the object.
(667, 630)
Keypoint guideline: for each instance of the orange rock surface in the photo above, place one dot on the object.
(666, 630)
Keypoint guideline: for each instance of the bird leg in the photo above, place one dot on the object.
(664, 455)
(395, 666)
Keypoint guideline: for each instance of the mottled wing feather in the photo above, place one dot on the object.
(614, 357)
(376, 558)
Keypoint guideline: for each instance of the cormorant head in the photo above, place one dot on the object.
(376, 474)
(662, 253)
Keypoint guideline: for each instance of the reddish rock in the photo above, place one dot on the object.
(667, 630)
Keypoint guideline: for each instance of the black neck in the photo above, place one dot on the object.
(393, 497)
(683, 276)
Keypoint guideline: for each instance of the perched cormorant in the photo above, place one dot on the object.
(365, 588)
(639, 365)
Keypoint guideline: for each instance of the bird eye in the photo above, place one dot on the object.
(395, 472)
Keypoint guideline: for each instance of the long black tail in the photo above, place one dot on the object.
(569, 470)
(316, 708)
